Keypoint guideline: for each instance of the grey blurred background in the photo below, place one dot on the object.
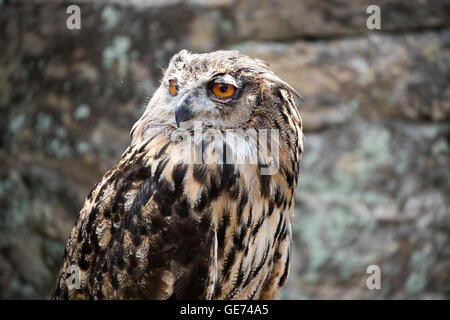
(374, 184)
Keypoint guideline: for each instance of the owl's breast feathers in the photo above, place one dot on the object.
(157, 226)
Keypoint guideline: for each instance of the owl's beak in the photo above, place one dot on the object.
(183, 112)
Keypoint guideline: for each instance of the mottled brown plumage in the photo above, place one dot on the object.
(161, 224)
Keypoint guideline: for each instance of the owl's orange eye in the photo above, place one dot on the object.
(223, 90)
(173, 87)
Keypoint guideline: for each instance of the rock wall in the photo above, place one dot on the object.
(374, 180)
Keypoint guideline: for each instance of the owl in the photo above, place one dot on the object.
(200, 204)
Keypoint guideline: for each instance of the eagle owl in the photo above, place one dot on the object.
(200, 204)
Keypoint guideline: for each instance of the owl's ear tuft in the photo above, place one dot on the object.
(178, 60)
(178, 57)
(262, 63)
(283, 84)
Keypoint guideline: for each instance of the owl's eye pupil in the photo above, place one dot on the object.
(223, 87)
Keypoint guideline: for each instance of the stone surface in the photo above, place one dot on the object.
(375, 175)
(290, 19)
(364, 199)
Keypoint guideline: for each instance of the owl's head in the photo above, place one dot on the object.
(221, 89)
